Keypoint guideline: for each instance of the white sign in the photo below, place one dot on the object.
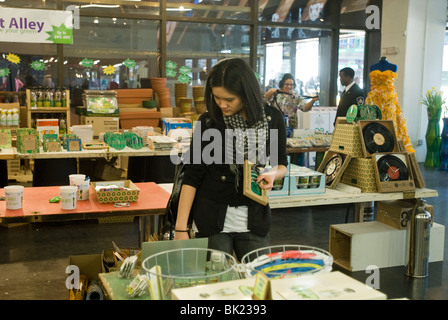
(37, 26)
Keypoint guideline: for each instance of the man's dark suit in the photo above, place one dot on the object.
(352, 96)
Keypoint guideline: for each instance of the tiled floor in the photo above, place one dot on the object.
(34, 257)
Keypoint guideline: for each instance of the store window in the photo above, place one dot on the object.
(305, 53)
(20, 73)
(199, 46)
(209, 9)
(123, 7)
(351, 54)
(295, 11)
(110, 53)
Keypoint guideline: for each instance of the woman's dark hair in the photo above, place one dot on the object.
(237, 77)
(286, 76)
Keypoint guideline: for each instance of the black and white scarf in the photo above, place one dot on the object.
(249, 142)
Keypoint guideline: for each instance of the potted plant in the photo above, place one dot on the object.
(433, 100)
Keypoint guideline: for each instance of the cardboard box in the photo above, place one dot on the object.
(303, 180)
(329, 169)
(317, 119)
(355, 246)
(90, 265)
(116, 196)
(395, 213)
(392, 185)
(101, 124)
(346, 139)
(360, 173)
(388, 124)
(283, 188)
(169, 124)
(47, 126)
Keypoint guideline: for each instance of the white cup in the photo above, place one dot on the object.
(83, 188)
(68, 197)
(14, 197)
(76, 176)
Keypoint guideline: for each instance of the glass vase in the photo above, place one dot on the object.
(444, 146)
(433, 142)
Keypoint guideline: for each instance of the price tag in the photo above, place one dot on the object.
(262, 288)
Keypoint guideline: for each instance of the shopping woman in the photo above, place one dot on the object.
(212, 197)
(289, 101)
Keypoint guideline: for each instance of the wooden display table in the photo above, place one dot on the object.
(345, 194)
(36, 207)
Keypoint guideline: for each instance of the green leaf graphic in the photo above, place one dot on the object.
(4, 72)
(86, 63)
(37, 65)
(184, 79)
(184, 70)
(129, 63)
(170, 73)
(171, 64)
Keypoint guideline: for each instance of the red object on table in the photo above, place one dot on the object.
(36, 207)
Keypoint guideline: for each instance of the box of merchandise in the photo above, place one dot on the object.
(115, 191)
(87, 268)
(101, 124)
(27, 140)
(169, 124)
(396, 213)
(101, 103)
(303, 180)
(47, 126)
(347, 139)
(5, 139)
(281, 188)
(360, 173)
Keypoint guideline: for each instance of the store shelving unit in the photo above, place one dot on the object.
(43, 110)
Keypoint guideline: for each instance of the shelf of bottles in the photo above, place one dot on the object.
(48, 103)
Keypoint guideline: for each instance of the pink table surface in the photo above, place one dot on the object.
(36, 206)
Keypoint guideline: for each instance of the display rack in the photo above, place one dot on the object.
(36, 110)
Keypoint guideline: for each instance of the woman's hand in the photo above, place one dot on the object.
(266, 179)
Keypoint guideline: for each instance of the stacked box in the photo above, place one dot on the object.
(113, 196)
(347, 140)
(360, 173)
(27, 140)
(303, 180)
(5, 139)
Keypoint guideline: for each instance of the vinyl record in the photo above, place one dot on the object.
(332, 167)
(377, 138)
(391, 168)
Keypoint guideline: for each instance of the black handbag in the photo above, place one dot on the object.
(170, 216)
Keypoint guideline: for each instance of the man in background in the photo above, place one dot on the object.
(352, 94)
